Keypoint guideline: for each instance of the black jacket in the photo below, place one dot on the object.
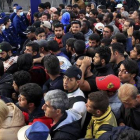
(103, 71)
(6, 88)
(68, 127)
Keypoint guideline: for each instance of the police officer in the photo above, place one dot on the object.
(10, 33)
(20, 23)
(14, 13)
(2, 37)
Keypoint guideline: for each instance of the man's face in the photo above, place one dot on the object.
(112, 59)
(133, 54)
(75, 28)
(93, 43)
(69, 9)
(18, 12)
(23, 102)
(107, 33)
(92, 15)
(55, 17)
(124, 76)
(70, 84)
(30, 35)
(97, 60)
(41, 36)
(105, 18)
(44, 18)
(49, 110)
(134, 15)
(125, 26)
(40, 9)
(28, 50)
(90, 108)
(88, 9)
(58, 32)
(99, 11)
(82, 16)
(3, 54)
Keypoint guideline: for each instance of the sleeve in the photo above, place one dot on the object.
(129, 46)
(89, 131)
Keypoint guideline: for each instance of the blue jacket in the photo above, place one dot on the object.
(2, 37)
(12, 16)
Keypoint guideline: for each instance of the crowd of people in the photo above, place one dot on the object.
(72, 74)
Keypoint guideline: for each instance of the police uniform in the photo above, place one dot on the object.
(2, 37)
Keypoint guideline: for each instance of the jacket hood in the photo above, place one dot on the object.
(6, 78)
(65, 18)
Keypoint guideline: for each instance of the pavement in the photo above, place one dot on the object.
(26, 3)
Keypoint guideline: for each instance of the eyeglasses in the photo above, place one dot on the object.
(123, 71)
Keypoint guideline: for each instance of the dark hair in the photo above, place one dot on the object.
(121, 38)
(102, 7)
(70, 42)
(104, 53)
(87, 23)
(57, 13)
(79, 36)
(110, 15)
(94, 12)
(95, 37)
(69, 5)
(51, 64)
(100, 17)
(82, 12)
(75, 6)
(88, 5)
(34, 45)
(131, 66)
(118, 47)
(132, 22)
(32, 92)
(90, 52)
(53, 45)
(21, 78)
(106, 41)
(59, 25)
(1, 68)
(110, 27)
(79, 47)
(137, 46)
(39, 30)
(25, 62)
(36, 14)
(100, 100)
(46, 14)
(136, 35)
(36, 24)
(105, 11)
(62, 6)
(47, 5)
(125, 8)
(118, 15)
(76, 22)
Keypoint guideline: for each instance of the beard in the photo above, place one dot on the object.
(59, 36)
(6, 58)
(97, 65)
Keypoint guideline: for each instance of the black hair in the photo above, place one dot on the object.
(47, 5)
(79, 36)
(76, 22)
(1, 68)
(102, 7)
(51, 64)
(36, 24)
(131, 66)
(110, 15)
(70, 42)
(39, 30)
(25, 62)
(105, 11)
(32, 92)
(94, 12)
(104, 53)
(69, 5)
(21, 78)
(87, 23)
(136, 35)
(79, 47)
(47, 14)
(106, 41)
(82, 12)
(100, 17)
(100, 100)
(110, 27)
(90, 52)
(62, 6)
(36, 14)
(59, 25)
(53, 45)
(57, 13)
(119, 47)
(121, 38)
(95, 37)
(137, 46)
(34, 45)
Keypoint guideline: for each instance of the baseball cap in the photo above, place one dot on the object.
(119, 6)
(73, 71)
(19, 7)
(36, 131)
(109, 82)
(5, 46)
(15, 4)
(2, 15)
(99, 26)
(30, 29)
(46, 24)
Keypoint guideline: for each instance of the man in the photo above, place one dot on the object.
(128, 73)
(40, 34)
(87, 83)
(33, 49)
(130, 110)
(108, 19)
(93, 13)
(46, 17)
(41, 7)
(98, 106)
(117, 56)
(30, 99)
(82, 15)
(108, 31)
(9, 61)
(135, 55)
(52, 68)
(55, 16)
(94, 40)
(66, 123)
(76, 97)
(85, 29)
(111, 84)
(20, 23)
(101, 62)
(14, 13)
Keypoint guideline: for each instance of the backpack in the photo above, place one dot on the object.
(112, 132)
